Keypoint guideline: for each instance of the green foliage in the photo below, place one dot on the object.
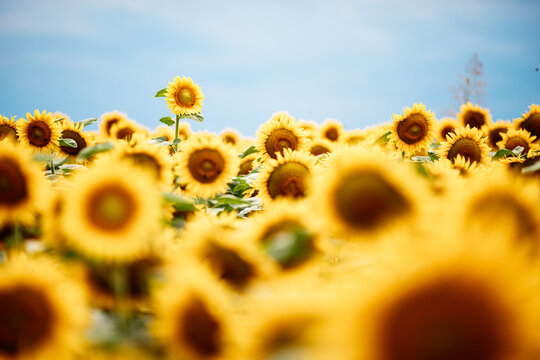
(250, 150)
(167, 120)
(505, 152)
(289, 247)
(67, 142)
(87, 122)
(161, 93)
(179, 203)
(384, 138)
(91, 151)
(197, 117)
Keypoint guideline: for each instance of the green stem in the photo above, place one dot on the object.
(176, 132)
(119, 282)
(51, 165)
(17, 239)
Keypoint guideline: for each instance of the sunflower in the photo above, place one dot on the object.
(357, 194)
(8, 129)
(474, 116)
(184, 97)
(109, 119)
(475, 305)
(231, 137)
(43, 312)
(309, 127)
(287, 176)
(331, 129)
(74, 132)
(467, 142)
(246, 164)
(514, 138)
(279, 133)
(494, 132)
(530, 121)
(445, 127)
(206, 165)
(111, 212)
(319, 146)
(126, 130)
(464, 165)
(23, 190)
(355, 137)
(40, 132)
(164, 131)
(414, 130)
(184, 130)
(192, 318)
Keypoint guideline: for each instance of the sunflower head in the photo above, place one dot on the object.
(414, 130)
(309, 127)
(331, 130)
(287, 176)
(184, 97)
(279, 133)
(126, 130)
(8, 129)
(320, 146)
(530, 121)
(494, 132)
(109, 119)
(355, 137)
(231, 137)
(445, 127)
(514, 138)
(467, 142)
(474, 116)
(74, 132)
(39, 132)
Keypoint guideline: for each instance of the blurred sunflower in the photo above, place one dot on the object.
(8, 129)
(331, 129)
(355, 137)
(164, 131)
(23, 190)
(109, 119)
(530, 121)
(74, 132)
(246, 164)
(474, 116)
(287, 176)
(445, 127)
(319, 146)
(184, 97)
(111, 212)
(39, 132)
(126, 130)
(494, 132)
(467, 142)
(464, 165)
(184, 130)
(43, 311)
(279, 133)
(514, 138)
(358, 193)
(192, 319)
(206, 165)
(414, 130)
(231, 137)
(309, 127)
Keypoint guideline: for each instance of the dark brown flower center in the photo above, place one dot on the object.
(319, 150)
(412, 129)
(39, 133)
(13, 183)
(74, 135)
(331, 134)
(467, 148)
(288, 180)
(8, 132)
(185, 97)
(26, 320)
(447, 319)
(495, 136)
(447, 130)
(229, 140)
(516, 141)
(200, 329)
(532, 125)
(228, 265)
(366, 200)
(279, 140)
(109, 123)
(125, 133)
(474, 119)
(147, 162)
(245, 167)
(206, 165)
(111, 207)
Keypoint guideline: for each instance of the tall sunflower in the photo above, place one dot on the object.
(279, 133)
(494, 132)
(287, 176)
(111, 212)
(23, 190)
(184, 97)
(76, 133)
(43, 311)
(414, 130)
(206, 165)
(468, 142)
(530, 121)
(39, 132)
(8, 129)
(474, 116)
(514, 138)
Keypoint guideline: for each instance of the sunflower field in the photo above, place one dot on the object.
(416, 239)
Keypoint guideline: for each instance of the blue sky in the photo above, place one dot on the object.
(356, 61)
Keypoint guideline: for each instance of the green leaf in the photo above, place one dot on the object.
(167, 120)
(161, 141)
(289, 247)
(518, 150)
(91, 151)
(502, 153)
(70, 167)
(433, 156)
(67, 142)
(384, 138)
(176, 141)
(58, 120)
(229, 199)
(87, 122)
(197, 117)
(179, 203)
(43, 157)
(531, 168)
(250, 150)
(421, 159)
(161, 93)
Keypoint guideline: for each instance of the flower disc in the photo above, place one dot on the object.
(39, 132)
